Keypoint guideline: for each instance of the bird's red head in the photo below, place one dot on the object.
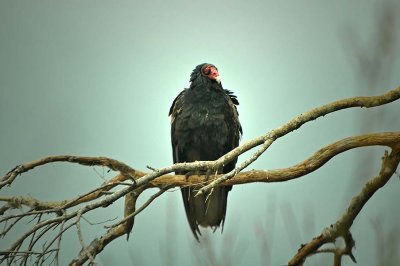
(211, 72)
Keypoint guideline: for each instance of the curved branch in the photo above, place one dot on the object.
(88, 161)
(342, 226)
(296, 123)
(307, 166)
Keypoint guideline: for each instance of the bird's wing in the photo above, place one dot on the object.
(174, 112)
(234, 103)
(232, 96)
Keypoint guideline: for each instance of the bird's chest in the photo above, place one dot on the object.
(206, 110)
(205, 121)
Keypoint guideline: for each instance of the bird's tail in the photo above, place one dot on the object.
(207, 210)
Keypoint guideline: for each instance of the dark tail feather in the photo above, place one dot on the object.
(207, 210)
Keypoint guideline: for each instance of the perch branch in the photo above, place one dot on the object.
(294, 124)
(309, 165)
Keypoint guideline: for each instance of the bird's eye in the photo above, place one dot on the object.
(207, 70)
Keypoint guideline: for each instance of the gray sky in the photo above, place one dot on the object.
(97, 78)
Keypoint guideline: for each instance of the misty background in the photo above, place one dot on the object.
(97, 78)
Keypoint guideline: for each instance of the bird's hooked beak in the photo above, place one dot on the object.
(213, 74)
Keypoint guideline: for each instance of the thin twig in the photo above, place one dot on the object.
(80, 237)
(140, 209)
(88, 161)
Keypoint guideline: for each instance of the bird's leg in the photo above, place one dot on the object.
(188, 174)
(207, 175)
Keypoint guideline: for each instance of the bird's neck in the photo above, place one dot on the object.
(201, 85)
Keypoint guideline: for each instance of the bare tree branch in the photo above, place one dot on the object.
(307, 166)
(314, 162)
(115, 230)
(268, 138)
(136, 212)
(80, 237)
(88, 161)
(97, 245)
(130, 183)
(342, 227)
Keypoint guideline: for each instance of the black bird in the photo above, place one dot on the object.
(204, 126)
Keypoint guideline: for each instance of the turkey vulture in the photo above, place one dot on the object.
(204, 126)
